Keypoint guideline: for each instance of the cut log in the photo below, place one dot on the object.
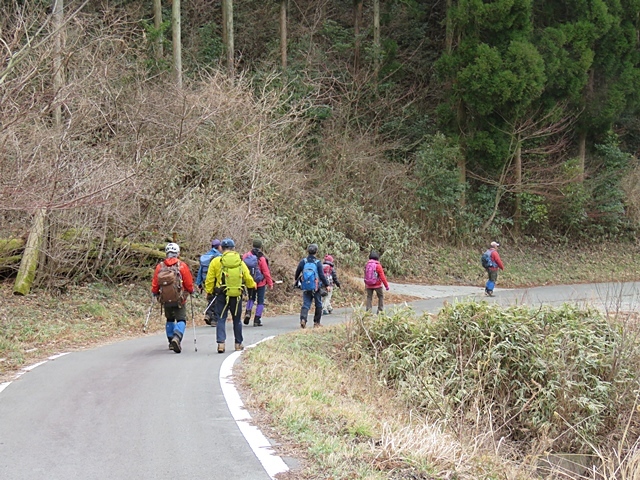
(29, 263)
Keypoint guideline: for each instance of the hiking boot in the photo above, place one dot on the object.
(490, 293)
(221, 348)
(316, 324)
(247, 317)
(257, 322)
(170, 347)
(330, 311)
(175, 344)
(325, 312)
(303, 323)
(239, 347)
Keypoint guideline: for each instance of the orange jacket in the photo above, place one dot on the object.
(187, 278)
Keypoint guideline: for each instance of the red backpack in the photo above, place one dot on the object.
(328, 273)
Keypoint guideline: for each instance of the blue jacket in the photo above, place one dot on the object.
(205, 260)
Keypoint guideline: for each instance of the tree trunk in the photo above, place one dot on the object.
(29, 263)
(376, 38)
(57, 22)
(462, 161)
(157, 23)
(283, 34)
(582, 154)
(517, 216)
(448, 42)
(228, 21)
(357, 21)
(177, 42)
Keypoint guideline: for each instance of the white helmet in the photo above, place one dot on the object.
(172, 248)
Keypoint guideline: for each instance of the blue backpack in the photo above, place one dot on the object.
(309, 278)
(205, 260)
(251, 261)
(487, 261)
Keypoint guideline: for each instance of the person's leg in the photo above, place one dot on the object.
(179, 314)
(257, 322)
(317, 313)
(252, 298)
(369, 299)
(221, 331)
(491, 283)
(326, 302)
(210, 315)
(380, 294)
(235, 307)
(307, 298)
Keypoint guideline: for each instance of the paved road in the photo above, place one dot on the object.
(136, 410)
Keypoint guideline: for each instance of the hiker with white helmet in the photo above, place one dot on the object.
(226, 278)
(172, 282)
(310, 277)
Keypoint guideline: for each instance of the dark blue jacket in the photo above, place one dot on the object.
(309, 259)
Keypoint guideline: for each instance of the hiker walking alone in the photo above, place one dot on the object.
(210, 317)
(226, 279)
(491, 262)
(374, 279)
(259, 268)
(172, 282)
(332, 277)
(310, 276)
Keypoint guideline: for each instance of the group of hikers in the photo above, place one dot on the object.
(224, 275)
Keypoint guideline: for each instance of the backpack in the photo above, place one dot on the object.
(205, 260)
(370, 273)
(328, 273)
(170, 282)
(231, 275)
(251, 261)
(309, 278)
(487, 261)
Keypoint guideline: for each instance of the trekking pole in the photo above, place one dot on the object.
(209, 306)
(144, 327)
(193, 319)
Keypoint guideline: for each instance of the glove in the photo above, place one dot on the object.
(387, 289)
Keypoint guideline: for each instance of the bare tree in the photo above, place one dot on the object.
(177, 42)
(157, 23)
(227, 15)
(283, 34)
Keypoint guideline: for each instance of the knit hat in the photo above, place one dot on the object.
(257, 243)
(215, 243)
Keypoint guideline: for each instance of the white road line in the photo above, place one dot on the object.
(261, 447)
(31, 367)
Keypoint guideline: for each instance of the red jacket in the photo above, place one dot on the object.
(263, 265)
(382, 279)
(187, 278)
(496, 258)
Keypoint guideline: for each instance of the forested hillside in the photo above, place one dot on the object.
(351, 123)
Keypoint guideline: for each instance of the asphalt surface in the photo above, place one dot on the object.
(137, 410)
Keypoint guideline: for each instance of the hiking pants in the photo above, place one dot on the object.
(493, 278)
(176, 321)
(226, 305)
(326, 301)
(256, 293)
(307, 298)
(380, 294)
